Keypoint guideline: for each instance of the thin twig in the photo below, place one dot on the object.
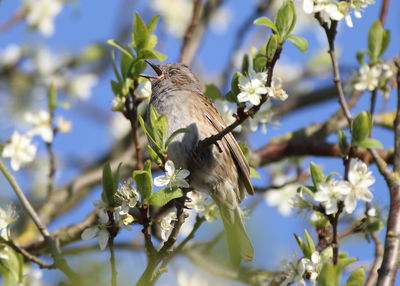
(148, 276)
(373, 272)
(26, 254)
(131, 113)
(388, 270)
(18, 15)
(59, 261)
(383, 12)
(196, 226)
(112, 262)
(241, 114)
(196, 12)
(331, 32)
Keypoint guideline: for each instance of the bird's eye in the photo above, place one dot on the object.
(173, 72)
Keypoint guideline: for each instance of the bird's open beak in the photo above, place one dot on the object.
(155, 68)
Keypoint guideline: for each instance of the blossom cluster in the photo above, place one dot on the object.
(336, 10)
(372, 77)
(20, 149)
(356, 188)
(254, 85)
(297, 270)
(126, 198)
(329, 194)
(40, 14)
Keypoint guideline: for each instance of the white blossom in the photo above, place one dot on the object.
(144, 91)
(294, 272)
(197, 201)
(7, 217)
(10, 55)
(276, 91)
(360, 179)
(118, 103)
(41, 124)
(368, 78)
(282, 198)
(63, 125)
(186, 278)
(99, 230)
(40, 14)
(262, 118)
(127, 197)
(172, 177)
(336, 10)
(176, 14)
(330, 193)
(166, 225)
(313, 266)
(19, 150)
(252, 87)
(82, 85)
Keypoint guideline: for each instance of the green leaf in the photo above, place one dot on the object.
(159, 125)
(137, 68)
(140, 36)
(115, 66)
(370, 143)
(235, 83)
(176, 133)
(93, 53)
(285, 19)
(254, 173)
(301, 244)
(259, 62)
(310, 243)
(378, 40)
(245, 64)
(343, 145)
(147, 166)
(267, 22)
(385, 41)
(125, 62)
(151, 26)
(244, 148)
(361, 126)
(148, 131)
(300, 42)
(151, 54)
(230, 96)
(121, 48)
(317, 174)
(272, 46)
(311, 190)
(356, 278)
(144, 183)
(109, 186)
(212, 92)
(375, 225)
(156, 156)
(328, 275)
(163, 196)
(52, 97)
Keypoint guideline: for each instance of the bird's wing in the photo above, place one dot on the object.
(217, 121)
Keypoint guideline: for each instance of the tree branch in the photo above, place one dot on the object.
(185, 55)
(59, 261)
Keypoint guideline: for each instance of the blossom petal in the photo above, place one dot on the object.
(89, 233)
(169, 167)
(103, 238)
(161, 181)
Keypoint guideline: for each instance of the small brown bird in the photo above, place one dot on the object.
(219, 170)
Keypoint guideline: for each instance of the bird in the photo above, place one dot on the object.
(221, 169)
